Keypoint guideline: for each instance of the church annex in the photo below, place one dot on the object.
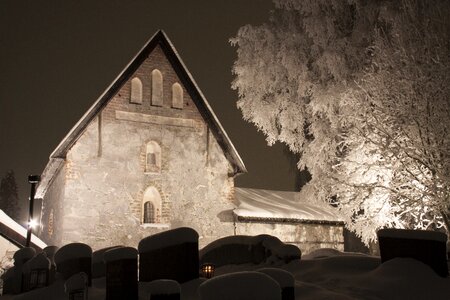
(149, 155)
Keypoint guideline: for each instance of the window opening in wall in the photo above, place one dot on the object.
(149, 212)
(157, 88)
(153, 157)
(136, 91)
(151, 207)
(177, 96)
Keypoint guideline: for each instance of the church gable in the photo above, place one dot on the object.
(163, 94)
(149, 154)
(154, 94)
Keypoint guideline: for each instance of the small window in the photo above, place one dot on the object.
(153, 158)
(136, 91)
(177, 96)
(157, 88)
(151, 206)
(149, 212)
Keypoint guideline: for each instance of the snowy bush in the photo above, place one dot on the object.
(242, 249)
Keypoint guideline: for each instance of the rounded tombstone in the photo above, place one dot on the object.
(171, 254)
(74, 258)
(23, 255)
(121, 273)
(35, 272)
(98, 263)
(162, 289)
(284, 278)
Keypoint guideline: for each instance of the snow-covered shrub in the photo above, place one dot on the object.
(241, 249)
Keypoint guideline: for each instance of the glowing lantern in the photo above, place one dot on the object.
(207, 270)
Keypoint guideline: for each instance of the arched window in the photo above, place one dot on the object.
(153, 157)
(151, 206)
(177, 96)
(157, 88)
(136, 91)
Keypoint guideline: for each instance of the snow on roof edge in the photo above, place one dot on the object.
(10, 223)
(281, 206)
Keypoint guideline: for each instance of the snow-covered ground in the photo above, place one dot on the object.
(323, 274)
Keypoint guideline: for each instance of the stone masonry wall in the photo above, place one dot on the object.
(52, 210)
(106, 178)
(307, 237)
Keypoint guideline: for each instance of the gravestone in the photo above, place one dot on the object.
(50, 252)
(428, 247)
(121, 273)
(35, 272)
(162, 289)
(20, 258)
(98, 264)
(76, 286)
(8, 281)
(240, 285)
(74, 258)
(172, 254)
(285, 279)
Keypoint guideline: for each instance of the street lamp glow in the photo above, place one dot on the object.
(32, 223)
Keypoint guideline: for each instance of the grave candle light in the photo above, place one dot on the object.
(208, 270)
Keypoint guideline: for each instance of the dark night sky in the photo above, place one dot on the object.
(57, 57)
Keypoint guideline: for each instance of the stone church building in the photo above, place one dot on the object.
(149, 155)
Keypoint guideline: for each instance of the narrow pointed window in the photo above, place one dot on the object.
(136, 91)
(177, 96)
(153, 157)
(157, 88)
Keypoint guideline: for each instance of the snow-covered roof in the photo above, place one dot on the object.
(15, 233)
(281, 206)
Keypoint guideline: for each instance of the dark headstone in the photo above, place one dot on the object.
(74, 258)
(20, 258)
(35, 273)
(121, 273)
(50, 251)
(8, 281)
(76, 287)
(163, 289)
(285, 279)
(428, 247)
(98, 264)
(171, 254)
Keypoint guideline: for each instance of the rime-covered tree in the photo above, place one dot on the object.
(360, 90)
(9, 197)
